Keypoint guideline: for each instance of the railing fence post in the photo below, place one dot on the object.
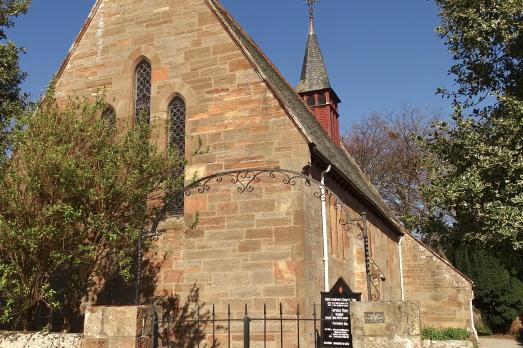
(154, 326)
(246, 330)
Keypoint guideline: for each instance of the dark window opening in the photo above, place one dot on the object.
(311, 101)
(322, 99)
(142, 103)
(109, 115)
(177, 115)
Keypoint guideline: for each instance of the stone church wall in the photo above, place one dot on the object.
(248, 247)
(346, 252)
(443, 294)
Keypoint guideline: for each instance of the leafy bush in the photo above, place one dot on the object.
(72, 204)
(447, 334)
(498, 292)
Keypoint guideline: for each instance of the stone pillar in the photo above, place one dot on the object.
(385, 324)
(117, 327)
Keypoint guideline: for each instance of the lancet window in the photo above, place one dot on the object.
(142, 102)
(177, 115)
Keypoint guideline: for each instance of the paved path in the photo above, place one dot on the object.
(499, 343)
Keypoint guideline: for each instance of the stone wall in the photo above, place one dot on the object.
(39, 340)
(447, 344)
(248, 247)
(399, 328)
(117, 327)
(443, 293)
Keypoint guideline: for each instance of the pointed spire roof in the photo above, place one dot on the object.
(313, 74)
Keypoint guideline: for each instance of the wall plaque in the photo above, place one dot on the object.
(335, 312)
(374, 317)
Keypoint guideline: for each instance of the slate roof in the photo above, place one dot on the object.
(314, 75)
(318, 139)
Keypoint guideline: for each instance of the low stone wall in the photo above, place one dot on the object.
(39, 340)
(386, 324)
(117, 327)
(447, 344)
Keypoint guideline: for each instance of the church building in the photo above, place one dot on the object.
(283, 210)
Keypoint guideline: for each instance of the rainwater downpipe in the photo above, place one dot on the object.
(401, 268)
(324, 230)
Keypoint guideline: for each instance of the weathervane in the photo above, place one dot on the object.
(311, 3)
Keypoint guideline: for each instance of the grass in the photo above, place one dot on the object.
(447, 334)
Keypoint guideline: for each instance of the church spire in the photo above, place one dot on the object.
(314, 86)
(313, 74)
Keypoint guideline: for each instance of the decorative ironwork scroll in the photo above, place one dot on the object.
(246, 180)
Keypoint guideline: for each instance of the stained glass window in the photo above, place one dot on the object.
(142, 103)
(177, 143)
(109, 115)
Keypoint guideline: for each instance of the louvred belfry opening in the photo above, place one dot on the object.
(315, 87)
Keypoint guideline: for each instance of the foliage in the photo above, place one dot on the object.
(447, 334)
(387, 149)
(12, 100)
(475, 191)
(73, 200)
(498, 292)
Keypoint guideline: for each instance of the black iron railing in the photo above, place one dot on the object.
(207, 328)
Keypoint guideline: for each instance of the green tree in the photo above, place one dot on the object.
(475, 192)
(498, 292)
(12, 100)
(72, 203)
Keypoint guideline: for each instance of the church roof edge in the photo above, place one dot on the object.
(302, 116)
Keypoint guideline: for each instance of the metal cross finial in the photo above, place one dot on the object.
(311, 3)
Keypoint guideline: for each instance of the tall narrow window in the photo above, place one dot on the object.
(109, 115)
(142, 102)
(177, 143)
(322, 99)
(311, 101)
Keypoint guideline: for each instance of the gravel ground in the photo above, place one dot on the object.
(499, 343)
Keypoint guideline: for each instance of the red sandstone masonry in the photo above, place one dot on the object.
(444, 295)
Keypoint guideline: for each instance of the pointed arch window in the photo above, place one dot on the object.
(177, 115)
(109, 115)
(142, 101)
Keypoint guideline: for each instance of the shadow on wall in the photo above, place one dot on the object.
(183, 324)
(180, 323)
(119, 292)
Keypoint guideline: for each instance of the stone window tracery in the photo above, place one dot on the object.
(177, 116)
(142, 103)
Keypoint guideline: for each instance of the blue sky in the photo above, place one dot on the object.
(380, 54)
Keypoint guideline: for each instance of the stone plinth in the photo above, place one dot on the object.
(447, 344)
(385, 324)
(117, 327)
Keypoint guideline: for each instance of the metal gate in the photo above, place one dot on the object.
(211, 330)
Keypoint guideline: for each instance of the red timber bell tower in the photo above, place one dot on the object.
(315, 88)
